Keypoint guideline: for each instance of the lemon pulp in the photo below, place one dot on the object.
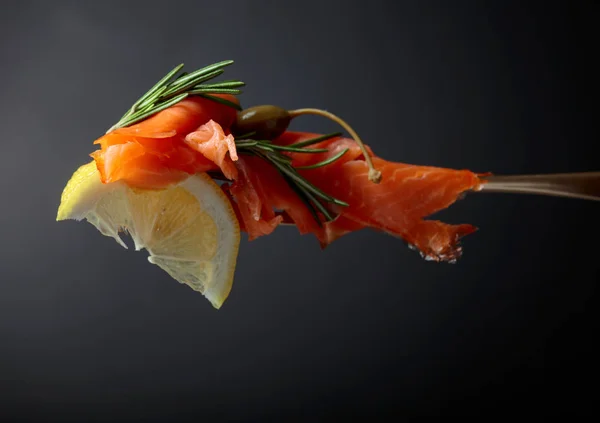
(190, 230)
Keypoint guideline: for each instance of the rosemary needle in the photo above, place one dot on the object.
(245, 144)
(316, 140)
(324, 162)
(222, 101)
(297, 150)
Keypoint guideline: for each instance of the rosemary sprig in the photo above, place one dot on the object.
(171, 90)
(275, 155)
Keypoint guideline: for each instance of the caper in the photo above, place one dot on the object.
(265, 122)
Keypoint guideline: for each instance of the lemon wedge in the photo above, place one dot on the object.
(190, 230)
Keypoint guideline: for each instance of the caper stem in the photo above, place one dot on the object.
(374, 174)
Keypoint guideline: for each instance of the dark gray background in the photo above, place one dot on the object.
(91, 332)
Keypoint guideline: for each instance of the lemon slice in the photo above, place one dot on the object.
(190, 229)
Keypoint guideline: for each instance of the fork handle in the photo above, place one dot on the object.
(581, 185)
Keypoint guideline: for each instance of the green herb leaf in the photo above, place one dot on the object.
(245, 144)
(222, 101)
(209, 90)
(316, 140)
(297, 150)
(324, 162)
(245, 137)
(226, 84)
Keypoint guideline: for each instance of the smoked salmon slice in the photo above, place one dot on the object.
(194, 136)
(398, 205)
(169, 146)
(260, 194)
